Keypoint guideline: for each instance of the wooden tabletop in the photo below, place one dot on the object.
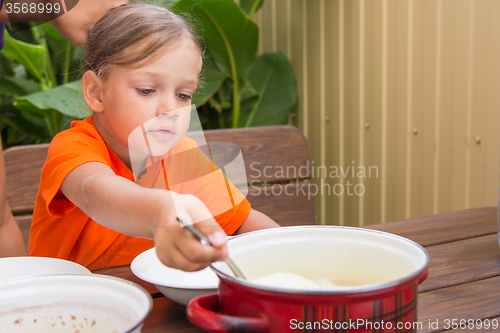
(463, 281)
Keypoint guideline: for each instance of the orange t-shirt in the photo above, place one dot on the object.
(61, 230)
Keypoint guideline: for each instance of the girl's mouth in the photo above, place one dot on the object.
(163, 133)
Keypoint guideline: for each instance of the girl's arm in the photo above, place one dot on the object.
(256, 221)
(121, 205)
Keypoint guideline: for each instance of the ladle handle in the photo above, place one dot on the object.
(235, 269)
(204, 240)
(201, 237)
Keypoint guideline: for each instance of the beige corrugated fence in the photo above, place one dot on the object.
(399, 100)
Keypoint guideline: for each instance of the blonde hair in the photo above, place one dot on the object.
(131, 33)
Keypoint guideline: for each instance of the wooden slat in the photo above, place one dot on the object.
(268, 151)
(24, 222)
(462, 261)
(444, 228)
(287, 204)
(23, 167)
(168, 316)
(478, 300)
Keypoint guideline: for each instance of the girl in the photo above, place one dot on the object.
(141, 62)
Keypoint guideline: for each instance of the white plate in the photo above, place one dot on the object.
(28, 266)
(175, 284)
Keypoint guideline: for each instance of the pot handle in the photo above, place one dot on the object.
(423, 276)
(202, 311)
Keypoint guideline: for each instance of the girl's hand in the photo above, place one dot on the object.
(176, 247)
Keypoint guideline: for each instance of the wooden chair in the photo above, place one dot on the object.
(276, 161)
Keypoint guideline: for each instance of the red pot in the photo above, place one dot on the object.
(388, 268)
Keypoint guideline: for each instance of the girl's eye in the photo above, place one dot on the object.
(145, 91)
(184, 96)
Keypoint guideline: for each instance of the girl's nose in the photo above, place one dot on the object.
(166, 105)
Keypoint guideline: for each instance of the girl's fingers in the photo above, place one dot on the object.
(199, 259)
(212, 230)
(218, 239)
(196, 213)
(177, 248)
(201, 253)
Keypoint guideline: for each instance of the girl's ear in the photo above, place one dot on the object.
(93, 90)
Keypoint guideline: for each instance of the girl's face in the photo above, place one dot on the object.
(133, 96)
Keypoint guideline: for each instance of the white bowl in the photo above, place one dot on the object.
(28, 266)
(175, 284)
(72, 303)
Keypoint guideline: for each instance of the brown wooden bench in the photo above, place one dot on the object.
(276, 161)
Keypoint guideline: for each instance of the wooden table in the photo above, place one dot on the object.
(463, 282)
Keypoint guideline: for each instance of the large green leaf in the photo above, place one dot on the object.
(17, 86)
(33, 127)
(231, 36)
(61, 51)
(32, 57)
(67, 99)
(248, 91)
(272, 77)
(251, 6)
(211, 81)
(58, 45)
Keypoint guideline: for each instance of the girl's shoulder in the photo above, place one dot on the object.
(79, 128)
(81, 136)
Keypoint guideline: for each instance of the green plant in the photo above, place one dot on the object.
(241, 89)
(37, 68)
(39, 94)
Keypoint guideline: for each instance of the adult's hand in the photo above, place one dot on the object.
(74, 25)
